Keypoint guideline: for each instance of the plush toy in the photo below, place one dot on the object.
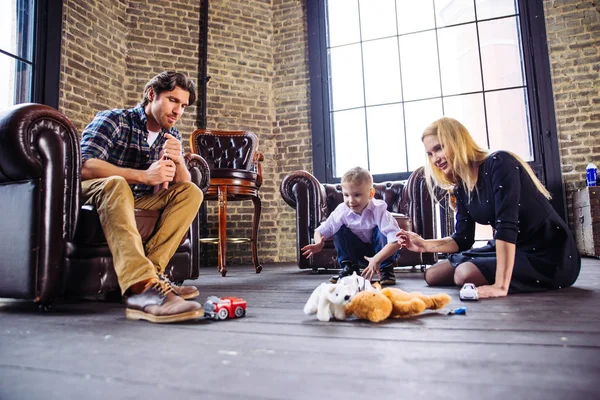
(357, 283)
(373, 306)
(395, 303)
(407, 304)
(328, 301)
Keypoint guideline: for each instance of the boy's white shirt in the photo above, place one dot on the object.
(375, 214)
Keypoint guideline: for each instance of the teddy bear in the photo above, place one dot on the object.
(328, 301)
(393, 303)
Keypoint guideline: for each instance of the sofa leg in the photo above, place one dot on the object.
(315, 270)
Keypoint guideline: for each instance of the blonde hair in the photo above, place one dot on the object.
(358, 176)
(464, 155)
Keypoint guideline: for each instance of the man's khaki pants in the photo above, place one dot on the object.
(115, 204)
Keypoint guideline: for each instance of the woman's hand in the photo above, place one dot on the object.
(411, 241)
(310, 249)
(489, 291)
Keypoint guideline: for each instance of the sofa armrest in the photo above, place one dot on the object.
(303, 192)
(199, 170)
(40, 145)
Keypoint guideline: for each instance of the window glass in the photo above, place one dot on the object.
(459, 59)
(16, 52)
(420, 67)
(501, 54)
(342, 22)
(394, 66)
(414, 16)
(452, 12)
(377, 19)
(16, 84)
(495, 8)
(469, 110)
(16, 28)
(382, 71)
(385, 126)
(349, 143)
(508, 122)
(418, 115)
(346, 77)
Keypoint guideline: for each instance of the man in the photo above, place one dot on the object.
(132, 158)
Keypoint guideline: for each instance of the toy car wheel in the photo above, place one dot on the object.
(223, 313)
(239, 312)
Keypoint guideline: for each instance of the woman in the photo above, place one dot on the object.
(533, 248)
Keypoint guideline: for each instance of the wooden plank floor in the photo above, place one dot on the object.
(538, 346)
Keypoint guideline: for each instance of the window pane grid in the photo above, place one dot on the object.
(444, 90)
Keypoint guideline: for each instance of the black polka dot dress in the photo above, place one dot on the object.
(506, 198)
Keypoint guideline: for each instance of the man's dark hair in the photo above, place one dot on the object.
(167, 81)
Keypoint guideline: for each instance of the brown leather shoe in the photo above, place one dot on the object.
(157, 303)
(185, 292)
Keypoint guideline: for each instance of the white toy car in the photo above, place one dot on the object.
(468, 292)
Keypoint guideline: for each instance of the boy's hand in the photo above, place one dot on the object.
(371, 270)
(310, 249)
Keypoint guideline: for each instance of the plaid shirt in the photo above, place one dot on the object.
(120, 137)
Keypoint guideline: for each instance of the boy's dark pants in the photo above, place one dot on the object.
(350, 248)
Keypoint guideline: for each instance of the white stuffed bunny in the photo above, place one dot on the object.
(328, 301)
(356, 283)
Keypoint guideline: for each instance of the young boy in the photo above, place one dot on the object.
(362, 229)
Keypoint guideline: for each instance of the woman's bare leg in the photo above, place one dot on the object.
(468, 272)
(440, 274)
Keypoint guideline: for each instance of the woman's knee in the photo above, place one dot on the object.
(468, 273)
(438, 273)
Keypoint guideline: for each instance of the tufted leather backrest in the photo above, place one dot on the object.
(225, 149)
(393, 193)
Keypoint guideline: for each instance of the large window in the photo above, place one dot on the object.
(382, 70)
(29, 51)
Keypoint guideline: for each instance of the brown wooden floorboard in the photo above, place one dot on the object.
(529, 346)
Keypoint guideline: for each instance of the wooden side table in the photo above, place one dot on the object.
(586, 210)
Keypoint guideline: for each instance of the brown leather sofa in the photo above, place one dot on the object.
(51, 246)
(313, 201)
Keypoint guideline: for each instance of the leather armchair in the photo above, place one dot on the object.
(313, 201)
(235, 174)
(51, 246)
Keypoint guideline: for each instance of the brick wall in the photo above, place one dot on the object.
(111, 48)
(291, 90)
(92, 62)
(257, 58)
(573, 31)
(239, 96)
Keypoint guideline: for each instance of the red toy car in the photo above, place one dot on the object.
(224, 307)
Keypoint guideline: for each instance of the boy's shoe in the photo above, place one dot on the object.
(185, 292)
(158, 304)
(388, 277)
(348, 267)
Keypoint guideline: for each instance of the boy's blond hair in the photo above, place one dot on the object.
(358, 176)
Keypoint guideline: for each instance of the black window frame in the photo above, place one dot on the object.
(537, 70)
(47, 53)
